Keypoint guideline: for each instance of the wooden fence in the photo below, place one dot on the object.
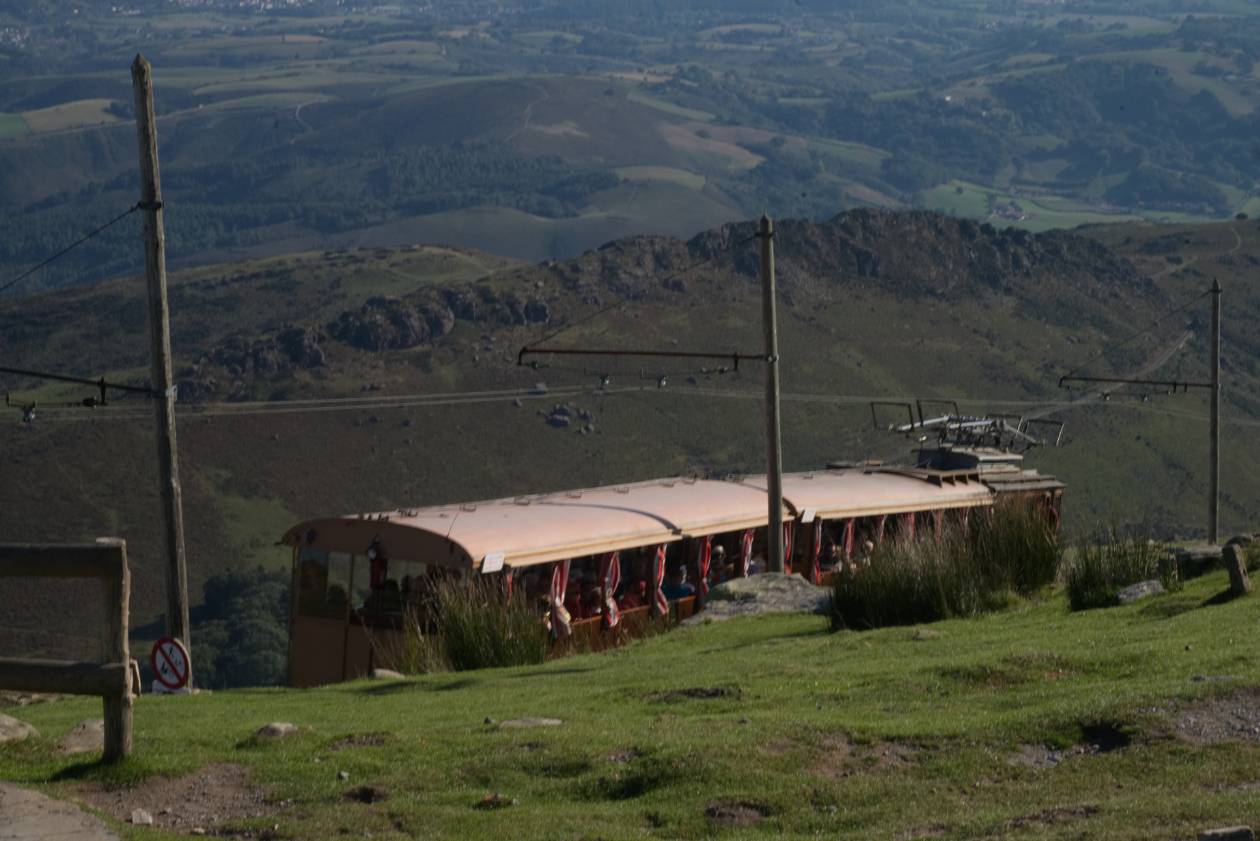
(111, 679)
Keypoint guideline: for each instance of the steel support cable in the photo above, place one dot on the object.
(1141, 332)
(68, 248)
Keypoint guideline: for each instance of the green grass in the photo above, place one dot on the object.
(12, 125)
(957, 706)
(670, 108)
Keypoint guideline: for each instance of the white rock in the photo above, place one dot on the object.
(533, 722)
(85, 737)
(1140, 590)
(276, 730)
(140, 816)
(15, 730)
(387, 674)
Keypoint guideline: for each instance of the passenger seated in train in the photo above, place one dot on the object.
(633, 596)
(676, 586)
(718, 569)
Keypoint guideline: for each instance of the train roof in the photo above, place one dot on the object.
(552, 527)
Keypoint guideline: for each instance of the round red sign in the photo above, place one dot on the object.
(170, 663)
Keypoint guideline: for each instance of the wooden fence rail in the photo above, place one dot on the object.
(112, 679)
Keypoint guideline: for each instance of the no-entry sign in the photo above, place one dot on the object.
(170, 663)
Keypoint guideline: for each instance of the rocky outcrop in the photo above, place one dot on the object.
(392, 324)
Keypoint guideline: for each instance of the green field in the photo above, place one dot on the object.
(1031, 723)
(12, 125)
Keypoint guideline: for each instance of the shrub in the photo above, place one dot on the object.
(1012, 551)
(475, 628)
(1110, 559)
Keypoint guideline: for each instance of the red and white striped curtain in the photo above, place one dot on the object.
(908, 519)
(879, 529)
(815, 569)
(610, 578)
(850, 526)
(940, 519)
(659, 603)
(966, 512)
(560, 627)
(745, 553)
(704, 551)
(510, 572)
(787, 546)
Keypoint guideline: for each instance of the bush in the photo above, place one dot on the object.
(475, 628)
(240, 634)
(1110, 560)
(1012, 551)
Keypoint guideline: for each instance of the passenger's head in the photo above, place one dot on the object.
(676, 575)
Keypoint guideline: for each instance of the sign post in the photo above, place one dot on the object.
(171, 666)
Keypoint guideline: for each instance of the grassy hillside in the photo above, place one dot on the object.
(874, 305)
(1128, 723)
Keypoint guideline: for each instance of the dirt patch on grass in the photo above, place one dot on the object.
(935, 830)
(1053, 815)
(778, 747)
(732, 814)
(842, 758)
(208, 797)
(626, 756)
(1230, 718)
(367, 794)
(701, 692)
(361, 740)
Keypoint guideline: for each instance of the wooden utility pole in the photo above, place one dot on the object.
(1214, 457)
(774, 439)
(160, 356)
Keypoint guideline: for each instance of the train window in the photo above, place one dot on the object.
(323, 577)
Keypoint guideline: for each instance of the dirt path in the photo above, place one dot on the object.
(529, 113)
(30, 816)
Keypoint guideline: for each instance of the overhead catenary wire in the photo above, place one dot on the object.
(69, 248)
(383, 403)
(1139, 333)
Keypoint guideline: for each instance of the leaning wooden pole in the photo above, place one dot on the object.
(160, 356)
(774, 438)
(1214, 456)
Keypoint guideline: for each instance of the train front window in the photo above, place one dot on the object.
(323, 578)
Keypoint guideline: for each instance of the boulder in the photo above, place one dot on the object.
(15, 730)
(767, 593)
(276, 730)
(1236, 565)
(1140, 590)
(86, 736)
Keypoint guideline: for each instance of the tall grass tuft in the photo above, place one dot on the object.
(474, 628)
(1110, 559)
(1013, 551)
(481, 630)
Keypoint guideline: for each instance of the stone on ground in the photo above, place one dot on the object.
(533, 722)
(15, 730)
(387, 674)
(767, 593)
(276, 730)
(1140, 590)
(31, 816)
(1228, 833)
(141, 817)
(1236, 564)
(85, 737)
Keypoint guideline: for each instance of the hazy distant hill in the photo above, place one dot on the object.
(873, 304)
